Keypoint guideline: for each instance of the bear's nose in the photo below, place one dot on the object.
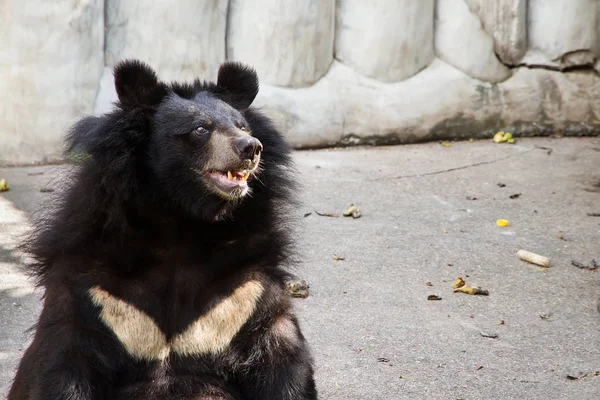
(248, 147)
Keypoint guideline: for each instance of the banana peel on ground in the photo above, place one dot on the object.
(458, 282)
(473, 290)
(459, 285)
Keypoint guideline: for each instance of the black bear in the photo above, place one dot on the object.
(164, 262)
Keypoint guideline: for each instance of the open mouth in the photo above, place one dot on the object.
(229, 184)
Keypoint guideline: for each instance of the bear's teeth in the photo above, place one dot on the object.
(246, 175)
(229, 176)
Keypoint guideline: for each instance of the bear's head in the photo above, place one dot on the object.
(199, 135)
(197, 146)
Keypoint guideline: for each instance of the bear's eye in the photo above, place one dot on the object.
(201, 131)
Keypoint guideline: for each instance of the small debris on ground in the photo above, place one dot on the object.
(307, 214)
(489, 335)
(501, 322)
(533, 258)
(501, 185)
(548, 149)
(592, 267)
(593, 214)
(503, 137)
(45, 190)
(562, 237)
(479, 367)
(383, 359)
(428, 283)
(458, 282)
(433, 297)
(35, 173)
(297, 288)
(514, 196)
(4, 185)
(502, 222)
(459, 285)
(337, 258)
(471, 198)
(327, 214)
(446, 143)
(576, 376)
(546, 316)
(472, 290)
(352, 211)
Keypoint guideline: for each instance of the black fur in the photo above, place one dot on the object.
(138, 223)
(240, 84)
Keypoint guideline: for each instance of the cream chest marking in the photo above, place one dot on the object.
(209, 334)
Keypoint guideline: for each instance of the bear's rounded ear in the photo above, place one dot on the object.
(237, 84)
(137, 84)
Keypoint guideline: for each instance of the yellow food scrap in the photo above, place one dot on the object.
(3, 185)
(446, 143)
(458, 282)
(473, 290)
(352, 211)
(502, 222)
(503, 137)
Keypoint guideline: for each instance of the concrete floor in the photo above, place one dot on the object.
(428, 215)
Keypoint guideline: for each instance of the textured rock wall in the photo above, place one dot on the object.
(506, 22)
(51, 59)
(460, 35)
(563, 33)
(400, 45)
(332, 71)
(189, 43)
(289, 42)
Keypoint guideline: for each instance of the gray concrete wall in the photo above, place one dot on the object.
(332, 72)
